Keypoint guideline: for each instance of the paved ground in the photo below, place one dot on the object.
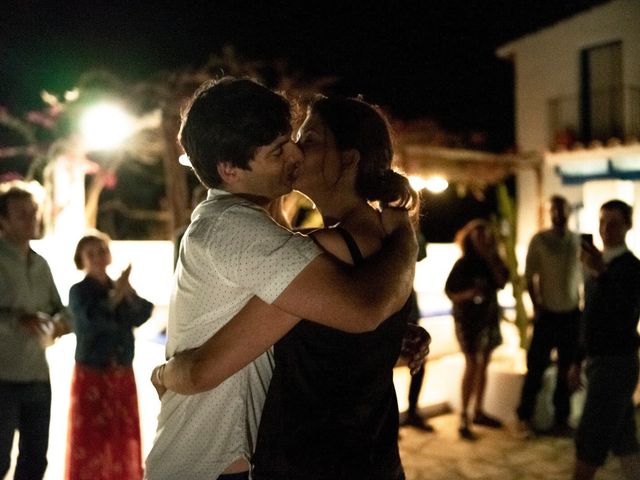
(495, 455)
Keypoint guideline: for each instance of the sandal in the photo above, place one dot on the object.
(485, 420)
(465, 432)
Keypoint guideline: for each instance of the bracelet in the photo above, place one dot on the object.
(159, 374)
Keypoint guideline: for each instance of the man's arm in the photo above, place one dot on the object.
(61, 318)
(249, 334)
(531, 274)
(8, 315)
(355, 299)
(259, 325)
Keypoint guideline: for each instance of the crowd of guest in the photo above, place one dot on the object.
(104, 430)
(103, 427)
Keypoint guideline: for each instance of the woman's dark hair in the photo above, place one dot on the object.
(94, 236)
(463, 236)
(226, 121)
(358, 125)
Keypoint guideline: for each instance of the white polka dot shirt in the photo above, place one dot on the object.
(231, 251)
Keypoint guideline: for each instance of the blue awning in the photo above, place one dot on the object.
(620, 167)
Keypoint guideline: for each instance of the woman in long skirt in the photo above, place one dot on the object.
(104, 425)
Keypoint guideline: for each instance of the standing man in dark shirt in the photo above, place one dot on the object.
(612, 309)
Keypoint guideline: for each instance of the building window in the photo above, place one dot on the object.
(601, 107)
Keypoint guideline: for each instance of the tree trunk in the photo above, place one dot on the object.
(507, 211)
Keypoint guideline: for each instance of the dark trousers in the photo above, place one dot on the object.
(414, 390)
(550, 330)
(418, 378)
(608, 419)
(25, 407)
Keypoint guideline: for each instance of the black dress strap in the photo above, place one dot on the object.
(356, 255)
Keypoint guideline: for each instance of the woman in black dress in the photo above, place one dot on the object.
(472, 286)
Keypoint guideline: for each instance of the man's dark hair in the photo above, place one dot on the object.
(625, 210)
(11, 191)
(226, 121)
(558, 199)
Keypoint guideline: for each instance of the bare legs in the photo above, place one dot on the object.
(483, 363)
(469, 381)
(474, 380)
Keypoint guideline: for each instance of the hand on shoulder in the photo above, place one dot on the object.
(393, 219)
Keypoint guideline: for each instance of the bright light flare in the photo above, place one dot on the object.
(72, 95)
(105, 126)
(435, 184)
(417, 183)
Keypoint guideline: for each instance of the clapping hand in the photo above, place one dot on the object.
(122, 283)
(122, 288)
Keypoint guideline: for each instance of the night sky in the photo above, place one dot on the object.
(416, 58)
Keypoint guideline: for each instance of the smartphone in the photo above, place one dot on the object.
(587, 238)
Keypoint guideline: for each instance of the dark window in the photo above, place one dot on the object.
(601, 92)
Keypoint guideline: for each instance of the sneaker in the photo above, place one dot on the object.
(522, 430)
(466, 433)
(485, 420)
(416, 421)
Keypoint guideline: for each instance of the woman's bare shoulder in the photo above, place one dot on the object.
(332, 242)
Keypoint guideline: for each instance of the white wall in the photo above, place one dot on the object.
(547, 62)
(547, 66)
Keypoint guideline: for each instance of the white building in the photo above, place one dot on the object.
(577, 100)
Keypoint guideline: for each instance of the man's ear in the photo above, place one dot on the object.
(228, 173)
(350, 158)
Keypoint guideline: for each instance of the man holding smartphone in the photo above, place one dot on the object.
(553, 277)
(586, 238)
(611, 341)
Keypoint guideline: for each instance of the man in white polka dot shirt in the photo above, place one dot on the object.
(234, 257)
